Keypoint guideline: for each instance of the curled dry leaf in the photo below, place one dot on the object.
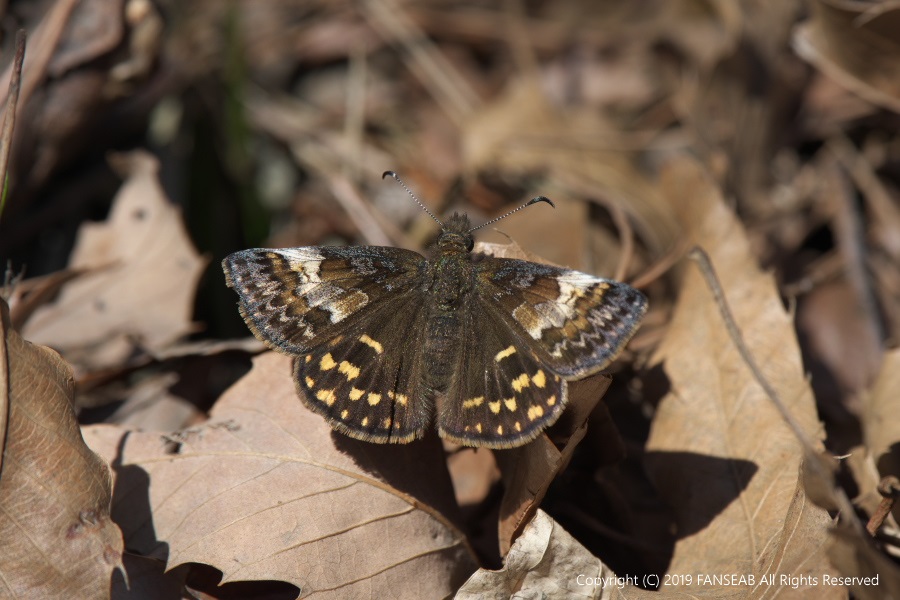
(856, 44)
(139, 293)
(529, 470)
(719, 451)
(266, 491)
(547, 562)
(58, 538)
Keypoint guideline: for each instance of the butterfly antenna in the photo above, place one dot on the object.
(387, 174)
(529, 203)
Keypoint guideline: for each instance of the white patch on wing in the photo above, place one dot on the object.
(339, 303)
(304, 262)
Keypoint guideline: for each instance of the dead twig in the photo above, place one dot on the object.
(9, 116)
(818, 469)
(889, 488)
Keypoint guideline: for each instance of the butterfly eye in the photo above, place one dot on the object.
(470, 243)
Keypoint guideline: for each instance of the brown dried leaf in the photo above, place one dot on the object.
(547, 562)
(855, 44)
(138, 293)
(558, 236)
(872, 575)
(58, 538)
(95, 27)
(268, 491)
(880, 424)
(148, 580)
(529, 470)
(719, 450)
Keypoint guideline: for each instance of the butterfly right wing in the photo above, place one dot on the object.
(293, 299)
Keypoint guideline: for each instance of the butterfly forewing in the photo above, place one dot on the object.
(577, 324)
(295, 298)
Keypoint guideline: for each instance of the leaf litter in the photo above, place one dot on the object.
(297, 503)
(684, 471)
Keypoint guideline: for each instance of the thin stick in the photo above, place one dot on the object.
(700, 256)
(9, 118)
(814, 463)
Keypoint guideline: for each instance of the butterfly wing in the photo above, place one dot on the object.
(531, 327)
(295, 298)
(367, 381)
(502, 396)
(576, 324)
(351, 317)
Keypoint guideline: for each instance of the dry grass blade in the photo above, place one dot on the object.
(860, 53)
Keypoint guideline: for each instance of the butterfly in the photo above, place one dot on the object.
(386, 341)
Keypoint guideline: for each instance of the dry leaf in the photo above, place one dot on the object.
(558, 236)
(854, 554)
(58, 538)
(547, 562)
(267, 491)
(719, 451)
(139, 293)
(529, 470)
(880, 424)
(95, 28)
(855, 44)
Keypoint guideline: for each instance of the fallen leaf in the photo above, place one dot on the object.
(558, 236)
(150, 406)
(547, 562)
(529, 470)
(856, 556)
(879, 417)
(267, 491)
(58, 538)
(856, 45)
(719, 452)
(139, 289)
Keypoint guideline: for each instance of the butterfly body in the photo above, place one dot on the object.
(386, 341)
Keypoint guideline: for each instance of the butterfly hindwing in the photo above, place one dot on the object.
(503, 395)
(576, 323)
(293, 297)
(365, 384)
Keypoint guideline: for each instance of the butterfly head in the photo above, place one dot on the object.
(456, 235)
